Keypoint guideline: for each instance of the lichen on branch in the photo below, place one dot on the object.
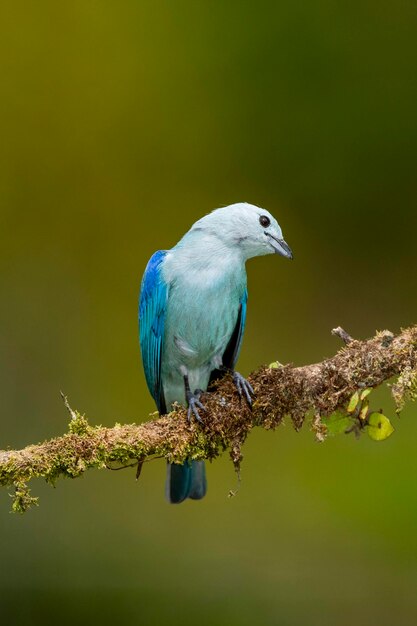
(314, 391)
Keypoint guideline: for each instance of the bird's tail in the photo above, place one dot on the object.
(185, 481)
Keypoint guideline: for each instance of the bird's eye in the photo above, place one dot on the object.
(264, 221)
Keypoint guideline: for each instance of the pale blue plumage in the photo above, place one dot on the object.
(204, 302)
(192, 315)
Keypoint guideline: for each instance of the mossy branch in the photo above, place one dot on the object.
(316, 390)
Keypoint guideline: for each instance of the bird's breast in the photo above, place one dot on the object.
(201, 319)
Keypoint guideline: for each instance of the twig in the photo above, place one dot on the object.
(344, 336)
(318, 390)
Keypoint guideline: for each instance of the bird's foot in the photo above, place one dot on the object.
(193, 401)
(244, 388)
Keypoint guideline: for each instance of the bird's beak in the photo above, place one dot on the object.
(280, 246)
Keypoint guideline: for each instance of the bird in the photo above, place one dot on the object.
(192, 314)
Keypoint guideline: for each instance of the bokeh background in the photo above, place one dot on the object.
(120, 125)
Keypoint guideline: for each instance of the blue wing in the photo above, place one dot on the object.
(152, 313)
(231, 354)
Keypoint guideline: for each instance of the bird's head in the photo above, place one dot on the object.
(251, 229)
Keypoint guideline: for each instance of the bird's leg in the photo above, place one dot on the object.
(243, 386)
(193, 401)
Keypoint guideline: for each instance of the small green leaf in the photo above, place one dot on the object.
(379, 427)
(275, 365)
(365, 393)
(337, 423)
(353, 403)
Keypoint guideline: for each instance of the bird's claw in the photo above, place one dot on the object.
(193, 401)
(244, 388)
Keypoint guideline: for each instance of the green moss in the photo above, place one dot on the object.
(22, 500)
(405, 389)
(78, 424)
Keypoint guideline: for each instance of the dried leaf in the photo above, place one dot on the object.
(353, 402)
(365, 393)
(364, 411)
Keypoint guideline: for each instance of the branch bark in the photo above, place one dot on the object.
(315, 390)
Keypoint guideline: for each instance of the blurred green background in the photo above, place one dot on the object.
(120, 125)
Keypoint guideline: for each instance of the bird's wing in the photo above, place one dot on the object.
(152, 313)
(231, 354)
